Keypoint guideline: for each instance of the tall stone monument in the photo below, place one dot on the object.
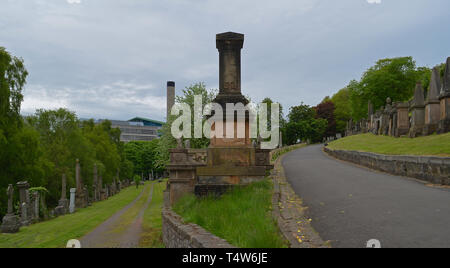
(417, 112)
(370, 112)
(63, 204)
(95, 184)
(11, 221)
(432, 103)
(444, 98)
(80, 201)
(231, 160)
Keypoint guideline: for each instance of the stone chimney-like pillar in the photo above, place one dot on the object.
(170, 97)
(229, 45)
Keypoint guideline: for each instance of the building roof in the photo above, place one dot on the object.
(147, 120)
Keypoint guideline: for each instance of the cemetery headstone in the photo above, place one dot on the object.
(11, 222)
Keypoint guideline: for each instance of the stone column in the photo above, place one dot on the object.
(80, 201)
(229, 45)
(95, 183)
(79, 183)
(100, 188)
(370, 115)
(444, 98)
(63, 204)
(24, 214)
(72, 200)
(170, 97)
(23, 187)
(432, 104)
(36, 206)
(417, 112)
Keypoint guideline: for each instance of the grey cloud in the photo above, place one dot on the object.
(111, 58)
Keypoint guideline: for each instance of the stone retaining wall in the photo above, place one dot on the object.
(429, 168)
(177, 234)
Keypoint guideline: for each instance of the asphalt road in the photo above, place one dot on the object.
(350, 205)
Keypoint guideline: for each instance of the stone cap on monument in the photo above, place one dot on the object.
(229, 45)
(435, 85)
(419, 100)
(445, 89)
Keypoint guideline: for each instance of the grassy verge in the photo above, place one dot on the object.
(127, 218)
(152, 224)
(242, 216)
(437, 145)
(55, 233)
(279, 152)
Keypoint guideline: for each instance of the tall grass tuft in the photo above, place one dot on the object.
(242, 216)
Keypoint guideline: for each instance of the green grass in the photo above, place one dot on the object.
(437, 145)
(152, 224)
(284, 150)
(129, 216)
(243, 216)
(56, 232)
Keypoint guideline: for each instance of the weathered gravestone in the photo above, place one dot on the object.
(24, 197)
(11, 222)
(444, 98)
(402, 119)
(432, 104)
(417, 112)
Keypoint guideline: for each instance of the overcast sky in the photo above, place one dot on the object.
(112, 58)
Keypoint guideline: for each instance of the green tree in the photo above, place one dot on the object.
(394, 78)
(198, 89)
(342, 111)
(20, 154)
(303, 125)
(63, 142)
(167, 141)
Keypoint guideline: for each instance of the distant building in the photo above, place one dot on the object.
(137, 129)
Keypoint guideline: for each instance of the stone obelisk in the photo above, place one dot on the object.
(80, 197)
(444, 98)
